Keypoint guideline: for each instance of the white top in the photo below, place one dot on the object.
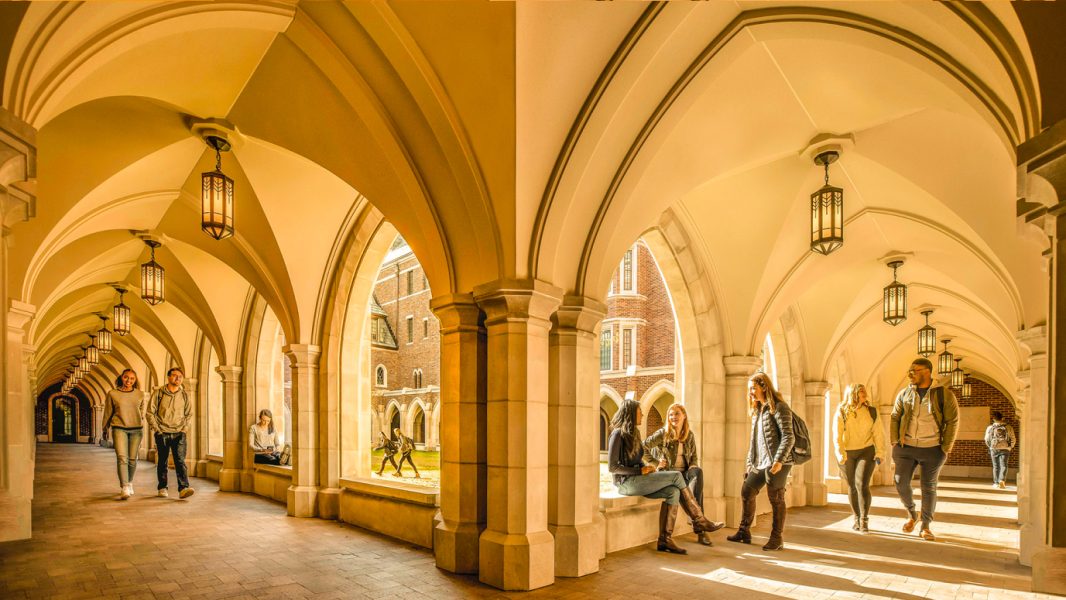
(260, 439)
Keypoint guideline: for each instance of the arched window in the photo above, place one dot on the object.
(419, 429)
(394, 424)
(381, 377)
(604, 428)
(416, 378)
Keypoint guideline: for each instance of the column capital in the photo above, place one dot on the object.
(190, 383)
(19, 314)
(303, 355)
(517, 298)
(456, 312)
(230, 374)
(741, 366)
(579, 313)
(1033, 339)
(815, 389)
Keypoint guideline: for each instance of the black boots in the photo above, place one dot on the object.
(694, 512)
(777, 503)
(667, 517)
(743, 534)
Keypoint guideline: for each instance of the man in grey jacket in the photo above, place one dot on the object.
(925, 421)
(169, 415)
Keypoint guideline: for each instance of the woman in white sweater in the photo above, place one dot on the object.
(123, 415)
(264, 439)
(860, 447)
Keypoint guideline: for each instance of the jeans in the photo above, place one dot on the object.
(999, 465)
(166, 443)
(931, 460)
(274, 458)
(857, 472)
(657, 484)
(127, 446)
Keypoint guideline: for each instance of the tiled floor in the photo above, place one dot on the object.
(219, 545)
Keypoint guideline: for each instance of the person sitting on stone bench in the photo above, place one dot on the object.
(265, 440)
(673, 447)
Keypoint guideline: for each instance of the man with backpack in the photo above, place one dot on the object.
(925, 421)
(169, 415)
(1000, 439)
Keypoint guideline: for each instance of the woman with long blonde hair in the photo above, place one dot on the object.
(674, 447)
(769, 459)
(860, 446)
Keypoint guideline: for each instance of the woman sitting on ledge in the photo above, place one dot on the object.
(674, 447)
(633, 478)
(264, 439)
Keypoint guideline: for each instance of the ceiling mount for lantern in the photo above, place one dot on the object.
(927, 336)
(894, 302)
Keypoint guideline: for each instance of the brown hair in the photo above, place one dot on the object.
(266, 411)
(772, 395)
(136, 382)
(683, 436)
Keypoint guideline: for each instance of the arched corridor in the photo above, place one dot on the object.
(469, 234)
(228, 545)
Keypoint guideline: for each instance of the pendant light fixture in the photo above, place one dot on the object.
(967, 387)
(827, 210)
(958, 376)
(943, 362)
(894, 306)
(83, 361)
(153, 278)
(216, 195)
(122, 314)
(92, 353)
(927, 336)
(105, 336)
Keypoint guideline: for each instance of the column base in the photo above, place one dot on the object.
(1030, 541)
(248, 480)
(455, 546)
(301, 500)
(516, 561)
(817, 494)
(329, 503)
(1049, 571)
(578, 548)
(229, 480)
(200, 468)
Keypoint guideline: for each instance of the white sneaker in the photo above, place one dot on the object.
(185, 493)
(162, 493)
(129, 486)
(125, 493)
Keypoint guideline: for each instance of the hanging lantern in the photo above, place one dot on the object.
(958, 376)
(104, 335)
(967, 387)
(122, 314)
(216, 196)
(153, 278)
(895, 301)
(943, 363)
(83, 364)
(927, 337)
(827, 210)
(92, 353)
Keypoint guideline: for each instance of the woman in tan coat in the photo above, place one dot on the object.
(859, 442)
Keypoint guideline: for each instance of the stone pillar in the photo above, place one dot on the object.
(516, 550)
(229, 478)
(814, 393)
(1021, 415)
(303, 493)
(884, 418)
(574, 518)
(202, 429)
(329, 446)
(737, 430)
(16, 420)
(463, 414)
(193, 442)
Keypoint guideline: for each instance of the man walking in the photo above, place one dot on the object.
(925, 420)
(169, 415)
(406, 448)
(1000, 439)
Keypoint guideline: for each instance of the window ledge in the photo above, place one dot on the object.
(214, 458)
(275, 469)
(403, 492)
(614, 500)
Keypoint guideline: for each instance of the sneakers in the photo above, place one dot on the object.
(162, 493)
(909, 525)
(125, 494)
(129, 488)
(928, 535)
(1002, 485)
(185, 493)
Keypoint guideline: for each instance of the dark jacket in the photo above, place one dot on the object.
(659, 448)
(625, 456)
(777, 428)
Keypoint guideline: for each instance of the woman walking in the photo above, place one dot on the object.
(860, 446)
(634, 478)
(769, 459)
(674, 447)
(124, 411)
(264, 439)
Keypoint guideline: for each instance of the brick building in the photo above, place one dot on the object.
(637, 342)
(970, 457)
(405, 350)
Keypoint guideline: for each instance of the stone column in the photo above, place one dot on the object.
(814, 393)
(329, 446)
(193, 442)
(229, 478)
(16, 420)
(303, 493)
(574, 517)
(516, 550)
(463, 414)
(202, 430)
(737, 430)
(884, 418)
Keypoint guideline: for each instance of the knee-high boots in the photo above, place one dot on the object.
(700, 523)
(747, 515)
(777, 503)
(667, 518)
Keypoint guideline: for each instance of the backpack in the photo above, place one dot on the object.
(873, 412)
(1000, 439)
(801, 451)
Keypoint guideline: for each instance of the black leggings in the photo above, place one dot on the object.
(857, 472)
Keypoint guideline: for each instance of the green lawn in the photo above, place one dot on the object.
(428, 464)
